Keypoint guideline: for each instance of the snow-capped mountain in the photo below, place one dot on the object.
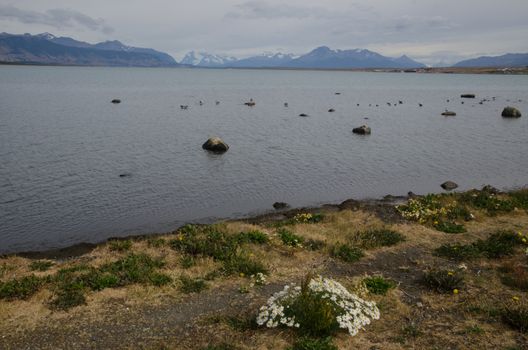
(264, 60)
(324, 57)
(204, 59)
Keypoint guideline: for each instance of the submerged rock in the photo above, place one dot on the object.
(331, 110)
(449, 113)
(216, 145)
(362, 130)
(511, 112)
(303, 115)
(116, 100)
(280, 205)
(449, 185)
(467, 96)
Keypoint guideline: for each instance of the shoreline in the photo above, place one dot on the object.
(382, 207)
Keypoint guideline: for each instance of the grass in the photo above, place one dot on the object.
(40, 265)
(120, 245)
(20, 288)
(156, 242)
(515, 276)
(314, 244)
(243, 264)
(378, 285)
(488, 201)
(497, 245)
(192, 285)
(221, 346)
(377, 238)
(289, 238)
(255, 236)
(520, 198)
(187, 261)
(306, 343)
(347, 253)
(515, 314)
(443, 281)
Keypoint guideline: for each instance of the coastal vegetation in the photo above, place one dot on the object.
(440, 270)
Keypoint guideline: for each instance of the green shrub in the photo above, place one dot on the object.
(458, 251)
(306, 343)
(40, 265)
(520, 198)
(515, 276)
(450, 227)
(256, 237)
(187, 261)
(20, 288)
(488, 201)
(308, 218)
(378, 285)
(443, 280)
(347, 253)
(134, 268)
(242, 263)
(192, 285)
(159, 279)
(378, 238)
(67, 298)
(120, 245)
(156, 242)
(289, 238)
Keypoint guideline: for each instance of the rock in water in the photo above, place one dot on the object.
(467, 96)
(331, 110)
(362, 130)
(511, 112)
(116, 100)
(303, 115)
(216, 145)
(280, 205)
(449, 185)
(449, 113)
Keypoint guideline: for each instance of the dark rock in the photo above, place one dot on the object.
(349, 204)
(280, 205)
(303, 115)
(467, 96)
(362, 130)
(449, 113)
(331, 110)
(400, 102)
(419, 104)
(449, 185)
(125, 175)
(490, 189)
(116, 100)
(216, 145)
(511, 112)
(338, 93)
(411, 194)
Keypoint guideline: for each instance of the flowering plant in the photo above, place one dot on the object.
(320, 306)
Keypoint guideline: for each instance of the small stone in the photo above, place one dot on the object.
(280, 205)
(511, 112)
(449, 185)
(362, 130)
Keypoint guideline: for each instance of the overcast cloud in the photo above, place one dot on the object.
(428, 30)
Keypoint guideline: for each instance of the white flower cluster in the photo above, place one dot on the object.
(353, 313)
(259, 278)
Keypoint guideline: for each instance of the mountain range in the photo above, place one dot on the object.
(46, 48)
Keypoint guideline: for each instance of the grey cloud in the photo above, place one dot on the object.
(408, 23)
(262, 10)
(57, 18)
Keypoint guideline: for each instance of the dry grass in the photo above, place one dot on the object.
(412, 315)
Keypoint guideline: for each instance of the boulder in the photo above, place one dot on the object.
(362, 130)
(449, 185)
(467, 96)
(511, 112)
(216, 145)
(280, 205)
(116, 100)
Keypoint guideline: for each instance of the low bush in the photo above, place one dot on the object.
(488, 201)
(515, 313)
(520, 198)
(289, 238)
(347, 253)
(378, 285)
(256, 237)
(192, 285)
(242, 263)
(515, 276)
(443, 280)
(377, 238)
(317, 308)
(314, 244)
(308, 218)
(20, 288)
(449, 227)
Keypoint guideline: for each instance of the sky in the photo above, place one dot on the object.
(431, 31)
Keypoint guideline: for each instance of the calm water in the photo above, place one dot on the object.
(63, 144)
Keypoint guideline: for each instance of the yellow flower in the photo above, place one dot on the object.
(523, 240)
(242, 274)
(435, 223)
(450, 273)
(516, 298)
(455, 291)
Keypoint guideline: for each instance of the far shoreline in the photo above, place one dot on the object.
(429, 70)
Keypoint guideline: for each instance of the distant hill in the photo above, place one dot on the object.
(47, 49)
(508, 60)
(324, 57)
(321, 57)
